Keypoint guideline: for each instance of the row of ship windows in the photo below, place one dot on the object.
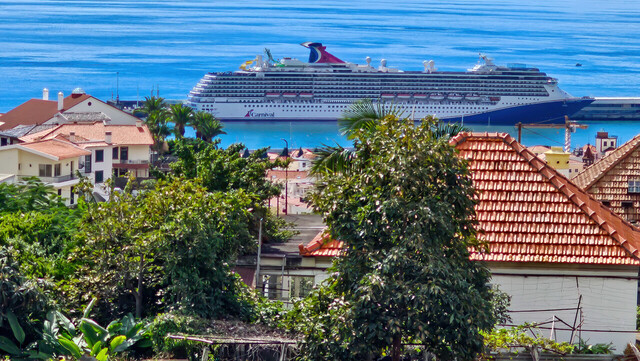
(346, 106)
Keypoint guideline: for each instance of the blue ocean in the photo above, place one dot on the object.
(137, 48)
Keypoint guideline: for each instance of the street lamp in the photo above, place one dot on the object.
(285, 152)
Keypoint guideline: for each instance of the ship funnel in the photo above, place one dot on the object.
(318, 54)
(368, 60)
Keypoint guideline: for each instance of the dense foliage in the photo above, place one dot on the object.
(404, 208)
(227, 169)
(167, 248)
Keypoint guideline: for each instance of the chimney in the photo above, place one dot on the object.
(72, 136)
(60, 101)
(107, 137)
(139, 123)
(45, 94)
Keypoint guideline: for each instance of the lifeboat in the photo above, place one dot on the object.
(289, 95)
(306, 95)
(472, 97)
(494, 99)
(272, 95)
(404, 96)
(420, 96)
(436, 96)
(387, 96)
(454, 96)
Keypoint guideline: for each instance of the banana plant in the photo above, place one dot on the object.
(33, 351)
(90, 340)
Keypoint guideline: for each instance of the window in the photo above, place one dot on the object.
(99, 156)
(87, 163)
(115, 153)
(57, 170)
(71, 196)
(3, 141)
(44, 170)
(634, 186)
(627, 204)
(606, 203)
(301, 286)
(59, 192)
(99, 176)
(124, 153)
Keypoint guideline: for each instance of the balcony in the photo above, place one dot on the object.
(59, 179)
(131, 163)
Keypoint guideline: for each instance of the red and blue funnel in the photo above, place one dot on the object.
(318, 54)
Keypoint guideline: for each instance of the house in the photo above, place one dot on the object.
(295, 179)
(283, 274)
(605, 143)
(75, 107)
(615, 180)
(54, 161)
(115, 149)
(569, 263)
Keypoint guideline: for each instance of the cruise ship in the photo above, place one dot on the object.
(325, 86)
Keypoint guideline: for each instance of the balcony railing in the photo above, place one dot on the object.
(131, 161)
(58, 179)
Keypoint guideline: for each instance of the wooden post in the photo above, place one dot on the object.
(519, 126)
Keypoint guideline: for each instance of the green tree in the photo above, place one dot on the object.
(158, 123)
(152, 104)
(169, 248)
(207, 126)
(404, 208)
(180, 115)
(225, 170)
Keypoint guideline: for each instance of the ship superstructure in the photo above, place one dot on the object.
(325, 86)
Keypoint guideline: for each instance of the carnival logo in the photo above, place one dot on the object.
(251, 114)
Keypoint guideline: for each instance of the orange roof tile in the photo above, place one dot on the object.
(322, 246)
(590, 175)
(120, 134)
(528, 212)
(37, 111)
(56, 148)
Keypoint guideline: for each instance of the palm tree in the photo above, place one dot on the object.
(151, 104)
(158, 124)
(207, 126)
(180, 115)
(362, 117)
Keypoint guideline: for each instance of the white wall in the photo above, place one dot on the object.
(609, 297)
(118, 117)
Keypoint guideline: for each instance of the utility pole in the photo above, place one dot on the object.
(286, 179)
(258, 258)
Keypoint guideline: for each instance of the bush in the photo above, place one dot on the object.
(172, 323)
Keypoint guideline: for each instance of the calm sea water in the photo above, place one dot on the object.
(135, 48)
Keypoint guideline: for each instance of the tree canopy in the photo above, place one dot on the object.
(404, 209)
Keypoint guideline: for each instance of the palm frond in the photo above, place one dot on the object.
(448, 130)
(332, 160)
(364, 115)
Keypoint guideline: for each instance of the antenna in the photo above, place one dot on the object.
(117, 87)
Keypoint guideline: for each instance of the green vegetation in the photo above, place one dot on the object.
(403, 205)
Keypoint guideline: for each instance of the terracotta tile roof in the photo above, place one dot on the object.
(322, 246)
(56, 148)
(590, 175)
(528, 212)
(37, 111)
(120, 134)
